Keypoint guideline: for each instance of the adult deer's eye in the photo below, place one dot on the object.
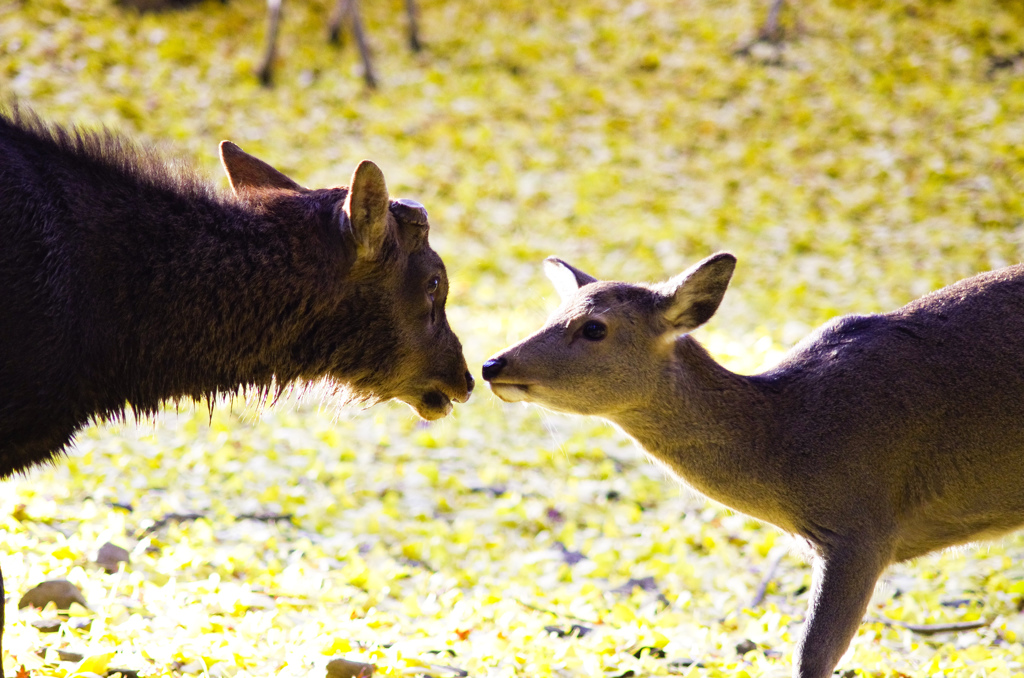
(433, 284)
(594, 331)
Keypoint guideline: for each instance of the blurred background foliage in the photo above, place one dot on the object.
(875, 154)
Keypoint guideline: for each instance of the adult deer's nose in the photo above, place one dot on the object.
(470, 382)
(493, 367)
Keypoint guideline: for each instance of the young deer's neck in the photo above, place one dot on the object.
(713, 429)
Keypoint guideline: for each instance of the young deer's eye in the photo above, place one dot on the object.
(594, 331)
(433, 284)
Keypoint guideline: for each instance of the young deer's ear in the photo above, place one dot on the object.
(249, 174)
(367, 209)
(693, 296)
(565, 278)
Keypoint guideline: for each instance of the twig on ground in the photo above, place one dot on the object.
(182, 517)
(169, 518)
(557, 614)
(931, 629)
(769, 575)
(267, 517)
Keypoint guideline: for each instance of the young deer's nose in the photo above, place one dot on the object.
(493, 367)
(470, 382)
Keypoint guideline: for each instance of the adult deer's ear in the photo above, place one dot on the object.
(248, 174)
(366, 209)
(566, 279)
(693, 296)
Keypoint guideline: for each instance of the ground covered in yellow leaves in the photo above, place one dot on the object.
(875, 155)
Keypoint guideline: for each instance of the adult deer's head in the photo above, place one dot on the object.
(370, 292)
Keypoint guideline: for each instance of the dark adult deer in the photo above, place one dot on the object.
(124, 281)
(877, 439)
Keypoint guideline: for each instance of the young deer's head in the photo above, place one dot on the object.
(369, 292)
(605, 347)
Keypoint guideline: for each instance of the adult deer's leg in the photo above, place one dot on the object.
(342, 12)
(771, 30)
(414, 25)
(266, 67)
(364, 47)
(843, 583)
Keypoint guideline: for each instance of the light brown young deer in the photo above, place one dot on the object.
(877, 439)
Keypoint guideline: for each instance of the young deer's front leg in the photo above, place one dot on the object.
(844, 580)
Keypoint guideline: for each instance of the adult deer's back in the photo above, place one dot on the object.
(878, 438)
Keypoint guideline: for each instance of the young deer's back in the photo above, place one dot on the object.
(916, 415)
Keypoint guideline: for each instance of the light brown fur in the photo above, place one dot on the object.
(877, 439)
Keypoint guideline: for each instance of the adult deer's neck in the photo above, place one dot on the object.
(713, 429)
(191, 296)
